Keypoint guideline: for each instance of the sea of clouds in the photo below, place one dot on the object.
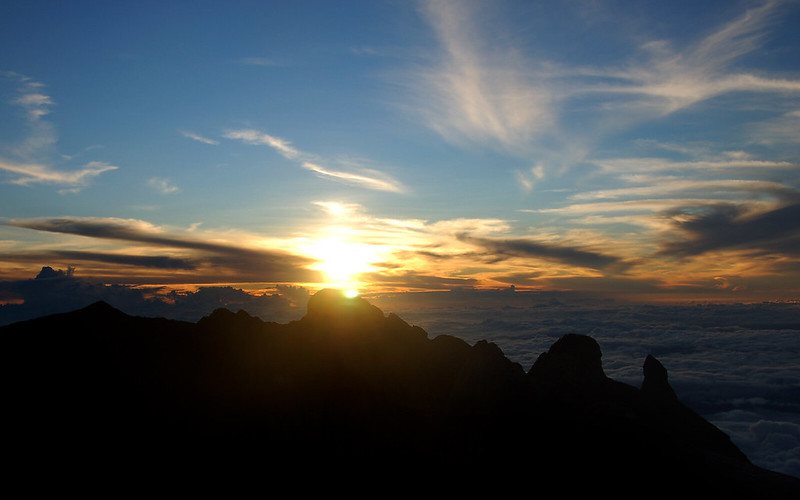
(738, 365)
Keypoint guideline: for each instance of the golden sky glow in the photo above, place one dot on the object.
(457, 144)
(343, 246)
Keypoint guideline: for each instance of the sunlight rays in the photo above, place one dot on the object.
(342, 260)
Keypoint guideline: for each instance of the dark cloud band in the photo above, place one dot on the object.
(232, 262)
(532, 249)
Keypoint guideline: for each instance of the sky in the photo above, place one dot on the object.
(646, 150)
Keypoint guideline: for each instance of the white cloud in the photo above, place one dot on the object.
(528, 179)
(197, 137)
(162, 185)
(255, 137)
(741, 377)
(482, 90)
(474, 94)
(32, 173)
(367, 178)
(524, 181)
(358, 176)
(673, 80)
(30, 165)
(36, 103)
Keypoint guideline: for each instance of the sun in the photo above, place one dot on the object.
(343, 262)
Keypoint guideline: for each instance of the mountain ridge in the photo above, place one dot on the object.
(347, 381)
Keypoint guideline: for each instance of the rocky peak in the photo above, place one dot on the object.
(332, 308)
(573, 360)
(655, 384)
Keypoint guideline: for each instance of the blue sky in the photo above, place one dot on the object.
(606, 146)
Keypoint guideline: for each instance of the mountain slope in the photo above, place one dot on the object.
(347, 384)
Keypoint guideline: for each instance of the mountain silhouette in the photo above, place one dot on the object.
(347, 384)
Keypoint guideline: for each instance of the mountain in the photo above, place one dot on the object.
(347, 384)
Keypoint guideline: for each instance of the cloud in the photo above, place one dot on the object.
(368, 178)
(257, 61)
(486, 88)
(411, 280)
(784, 129)
(673, 80)
(769, 443)
(515, 279)
(644, 205)
(197, 137)
(55, 291)
(32, 173)
(254, 137)
(218, 260)
(36, 103)
(162, 185)
(726, 226)
(735, 364)
(669, 186)
(74, 256)
(527, 180)
(31, 96)
(479, 95)
(339, 209)
(30, 163)
(357, 176)
(525, 248)
(626, 165)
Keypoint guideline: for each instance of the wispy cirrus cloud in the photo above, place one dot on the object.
(474, 94)
(30, 164)
(484, 88)
(784, 129)
(26, 174)
(675, 79)
(36, 103)
(670, 186)
(197, 137)
(368, 178)
(527, 179)
(163, 185)
(256, 137)
(651, 164)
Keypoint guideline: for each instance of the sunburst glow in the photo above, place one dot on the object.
(343, 261)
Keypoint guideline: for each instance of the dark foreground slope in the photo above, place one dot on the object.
(348, 385)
